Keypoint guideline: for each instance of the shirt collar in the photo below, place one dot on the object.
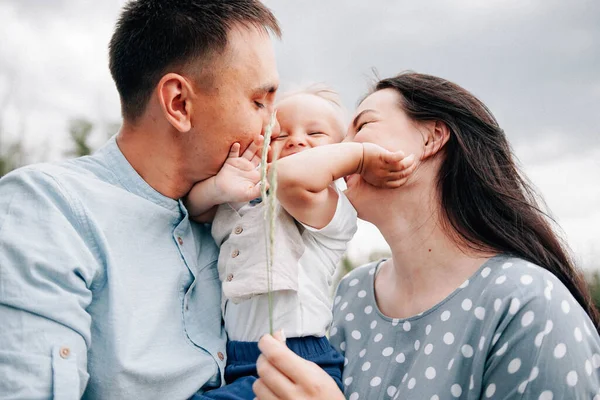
(130, 179)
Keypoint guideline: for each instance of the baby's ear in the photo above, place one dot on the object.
(436, 136)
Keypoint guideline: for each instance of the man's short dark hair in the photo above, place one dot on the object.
(153, 36)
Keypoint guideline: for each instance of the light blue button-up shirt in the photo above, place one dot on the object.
(107, 290)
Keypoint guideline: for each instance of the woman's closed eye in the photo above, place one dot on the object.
(362, 125)
(259, 104)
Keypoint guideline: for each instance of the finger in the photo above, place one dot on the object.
(393, 157)
(234, 151)
(282, 358)
(255, 147)
(277, 383)
(262, 392)
(408, 161)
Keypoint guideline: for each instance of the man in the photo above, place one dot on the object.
(107, 290)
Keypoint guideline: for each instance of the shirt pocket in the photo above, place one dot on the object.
(66, 382)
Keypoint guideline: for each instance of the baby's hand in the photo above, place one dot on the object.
(238, 179)
(382, 168)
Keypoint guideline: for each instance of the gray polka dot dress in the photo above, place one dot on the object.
(511, 331)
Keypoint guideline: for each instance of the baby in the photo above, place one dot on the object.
(314, 222)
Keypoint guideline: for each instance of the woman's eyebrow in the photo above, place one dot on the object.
(355, 122)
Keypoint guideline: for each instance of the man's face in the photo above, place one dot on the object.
(238, 104)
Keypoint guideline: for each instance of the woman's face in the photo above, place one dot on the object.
(380, 120)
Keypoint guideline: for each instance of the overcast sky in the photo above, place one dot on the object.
(536, 64)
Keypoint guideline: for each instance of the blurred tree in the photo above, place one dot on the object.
(11, 155)
(594, 283)
(80, 130)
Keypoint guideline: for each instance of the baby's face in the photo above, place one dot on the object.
(306, 121)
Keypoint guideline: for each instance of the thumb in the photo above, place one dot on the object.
(280, 335)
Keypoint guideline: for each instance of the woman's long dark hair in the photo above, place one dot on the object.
(485, 198)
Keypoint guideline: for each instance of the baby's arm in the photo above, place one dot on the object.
(237, 181)
(304, 179)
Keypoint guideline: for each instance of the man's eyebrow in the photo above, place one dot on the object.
(355, 122)
(267, 89)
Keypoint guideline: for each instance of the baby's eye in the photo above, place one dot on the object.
(280, 137)
(316, 133)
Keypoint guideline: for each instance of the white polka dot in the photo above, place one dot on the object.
(333, 331)
(362, 353)
(560, 350)
(467, 351)
(387, 351)
(471, 383)
(378, 338)
(515, 304)
(522, 387)
(400, 358)
(539, 338)
(406, 326)
(500, 280)
(548, 293)
(456, 390)
(572, 378)
(404, 378)
(464, 284)
(353, 282)
(467, 304)
(395, 321)
(362, 294)
(495, 338)
(497, 304)
(368, 310)
(502, 349)
(353, 396)
(411, 383)
(526, 279)
(480, 313)
(596, 397)
(391, 390)
(587, 330)
(366, 366)
(356, 335)
(417, 344)
(349, 317)
(550, 284)
(534, 373)
(565, 306)
(373, 324)
(448, 338)
(450, 364)
(337, 300)
(343, 306)
(485, 272)
(588, 367)
(445, 315)
(491, 389)
(428, 329)
(435, 397)
(348, 380)
(428, 349)
(596, 360)
(430, 373)
(578, 335)
(546, 395)
(481, 342)
(372, 271)
(375, 381)
(514, 365)
(527, 318)
(507, 265)
(548, 328)
(345, 361)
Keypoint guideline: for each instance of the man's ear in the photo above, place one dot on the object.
(175, 98)
(436, 136)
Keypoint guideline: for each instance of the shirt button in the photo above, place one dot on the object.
(229, 277)
(221, 356)
(64, 352)
(238, 230)
(235, 253)
(180, 240)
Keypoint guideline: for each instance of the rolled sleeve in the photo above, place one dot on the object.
(46, 269)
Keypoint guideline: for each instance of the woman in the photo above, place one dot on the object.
(480, 298)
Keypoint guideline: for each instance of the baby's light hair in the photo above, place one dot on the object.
(324, 92)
